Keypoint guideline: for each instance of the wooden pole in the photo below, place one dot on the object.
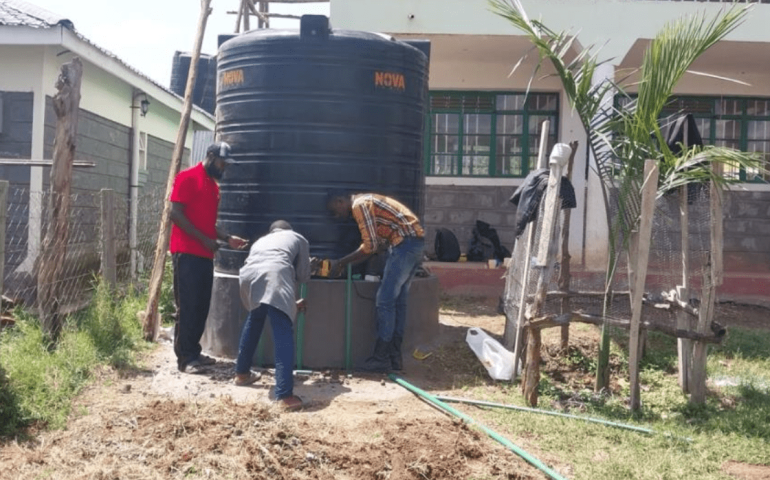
(151, 319)
(546, 256)
(715, 334)
(683, 321)
(564, 272)
(519, 330)
(66, 105)
(245, 4)
(109, 273)
(649, 191)
(3, 221)
(712, 278)
(238, 18)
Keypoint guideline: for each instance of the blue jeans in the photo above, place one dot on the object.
(399, 271)
(283, 341)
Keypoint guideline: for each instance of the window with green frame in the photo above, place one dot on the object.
(742, 123)
(487, 134)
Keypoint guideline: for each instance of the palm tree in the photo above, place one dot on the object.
(622, 138)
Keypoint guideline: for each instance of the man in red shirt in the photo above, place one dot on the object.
(194, 235)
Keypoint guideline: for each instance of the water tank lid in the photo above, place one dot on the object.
(314, 27)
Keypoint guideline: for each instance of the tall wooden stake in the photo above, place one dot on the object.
(712, 278)
(151, 319)
(66, 105)
(518, 331)
(684, 346)
(649, 190)
(546, 253)
(3, 216)
(109, 270)
(564, 271)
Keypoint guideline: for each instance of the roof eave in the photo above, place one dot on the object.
(58, 35)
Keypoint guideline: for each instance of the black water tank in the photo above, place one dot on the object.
(204, 93)
(311, 111)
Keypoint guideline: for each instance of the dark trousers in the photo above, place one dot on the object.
(193, 279)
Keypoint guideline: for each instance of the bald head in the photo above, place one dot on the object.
(280, 225)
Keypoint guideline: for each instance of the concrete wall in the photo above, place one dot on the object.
(747, 244)
(99, 140)
(458, 207)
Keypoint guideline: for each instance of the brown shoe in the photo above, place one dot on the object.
(291, 404)
(244, 379)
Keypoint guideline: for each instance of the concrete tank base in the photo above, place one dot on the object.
(324, 331)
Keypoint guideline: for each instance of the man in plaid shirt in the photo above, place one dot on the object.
(384, 223)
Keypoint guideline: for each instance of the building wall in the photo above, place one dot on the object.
(16, 142)
(15, 134)
(600, 22)
(111, 97)
(747, 243)
(458, 207)
(99, 140)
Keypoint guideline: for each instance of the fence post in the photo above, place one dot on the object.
(642, 258)
(109, 273)
(3, 216)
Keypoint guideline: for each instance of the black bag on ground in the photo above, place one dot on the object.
(485, 244)
(446, 246)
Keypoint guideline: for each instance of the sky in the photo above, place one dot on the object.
(146, 33)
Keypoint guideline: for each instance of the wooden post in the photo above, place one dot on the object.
(684, 346)
(151, 319)
(66, 105)
(264, 20)
(238, 18)
(531, 229)
(546, 256)
(3, 222)
(564, 272)
(712, 278)
(649, 191)
(246, 14)
(109, 270)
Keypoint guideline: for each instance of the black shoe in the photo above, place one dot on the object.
(379, 362)
(396, 361)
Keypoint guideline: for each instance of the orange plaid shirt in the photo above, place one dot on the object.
(383, 220)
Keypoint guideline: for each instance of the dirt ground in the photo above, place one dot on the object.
(157, 423)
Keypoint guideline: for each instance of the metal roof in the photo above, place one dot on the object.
(19, 13)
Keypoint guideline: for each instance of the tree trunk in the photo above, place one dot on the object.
(66, 104)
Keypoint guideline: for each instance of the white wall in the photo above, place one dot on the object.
(598, 21)
(111, 97)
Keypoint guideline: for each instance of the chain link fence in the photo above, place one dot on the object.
(80, 261)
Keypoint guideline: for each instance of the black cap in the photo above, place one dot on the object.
(221, 150)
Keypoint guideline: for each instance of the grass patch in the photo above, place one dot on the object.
(37, 383)
(690, 441)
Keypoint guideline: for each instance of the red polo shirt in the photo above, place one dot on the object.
(199, 194)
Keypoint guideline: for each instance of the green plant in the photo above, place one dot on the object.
(166, 304)
(39, 381)
(622, 139)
